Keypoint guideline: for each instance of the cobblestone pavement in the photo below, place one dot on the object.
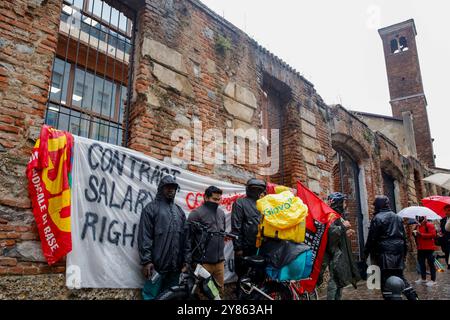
(440, 291)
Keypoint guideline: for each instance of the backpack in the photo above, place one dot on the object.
(283, 217)
(299, 269)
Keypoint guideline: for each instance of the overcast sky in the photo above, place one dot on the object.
(336, 46)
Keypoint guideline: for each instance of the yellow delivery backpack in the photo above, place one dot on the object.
(284, 217)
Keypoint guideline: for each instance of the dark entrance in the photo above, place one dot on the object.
(389, 189)
(275, 98)
(346, 180)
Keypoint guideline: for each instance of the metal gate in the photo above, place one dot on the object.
(91, 76)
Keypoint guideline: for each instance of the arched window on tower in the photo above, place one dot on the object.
(403, 44)
(394, 46)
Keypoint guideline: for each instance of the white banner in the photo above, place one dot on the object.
(110, 187)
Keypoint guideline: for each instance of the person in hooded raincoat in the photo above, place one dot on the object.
(338, 255)
(162, 240)
(387, 245)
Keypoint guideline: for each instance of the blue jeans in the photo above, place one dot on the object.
(151, 290)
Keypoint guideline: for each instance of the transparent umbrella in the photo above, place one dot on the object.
(413, 212)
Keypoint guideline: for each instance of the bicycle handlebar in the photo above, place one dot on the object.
(204, 228)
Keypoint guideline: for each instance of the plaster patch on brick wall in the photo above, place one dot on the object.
(173, 80)
(309, 129)
(163, 55)
(240, 94)
(238, 110)
(309, 156)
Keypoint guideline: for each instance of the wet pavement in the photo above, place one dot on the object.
(440, 291)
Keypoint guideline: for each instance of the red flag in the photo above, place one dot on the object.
(320, 217)
(48, 173)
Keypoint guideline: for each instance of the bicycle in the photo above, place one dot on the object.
(256, 285)
(199, 277)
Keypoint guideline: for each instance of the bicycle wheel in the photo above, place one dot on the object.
(313, 295)
(301, 294)
(171, 294)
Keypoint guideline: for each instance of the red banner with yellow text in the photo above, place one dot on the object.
(49, 180)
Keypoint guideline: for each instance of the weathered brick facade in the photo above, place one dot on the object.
(190, 65)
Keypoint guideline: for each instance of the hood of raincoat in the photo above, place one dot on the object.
(166, 180)
(381, 204)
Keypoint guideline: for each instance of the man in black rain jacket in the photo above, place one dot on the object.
(208, 248)
(245, 219)
(162, 240)
(386, 244)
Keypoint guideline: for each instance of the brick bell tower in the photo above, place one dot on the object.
(405, 83)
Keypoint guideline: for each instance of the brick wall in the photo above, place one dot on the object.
(28, 39)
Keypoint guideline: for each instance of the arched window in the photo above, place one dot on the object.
(394, 46)
(389, 189)
(399, 45)
(403, 44)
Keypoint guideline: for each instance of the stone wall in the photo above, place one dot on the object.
(392, 128)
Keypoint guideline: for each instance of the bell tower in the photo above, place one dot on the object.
(405, 83)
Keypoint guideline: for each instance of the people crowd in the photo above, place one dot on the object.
(169, 243)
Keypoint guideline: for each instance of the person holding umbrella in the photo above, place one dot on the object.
(441, 206)
(425, 234)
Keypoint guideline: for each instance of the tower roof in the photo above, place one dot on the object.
(398, 26)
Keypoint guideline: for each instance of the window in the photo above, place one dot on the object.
(403, 44)
(104, 108)
(394, 46)
(90, 76)
(399, 45)
(60, 80)
(389, 189)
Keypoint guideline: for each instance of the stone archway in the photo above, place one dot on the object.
(349, 178)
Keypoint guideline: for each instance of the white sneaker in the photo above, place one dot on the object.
(430, 283)
(419, 281)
